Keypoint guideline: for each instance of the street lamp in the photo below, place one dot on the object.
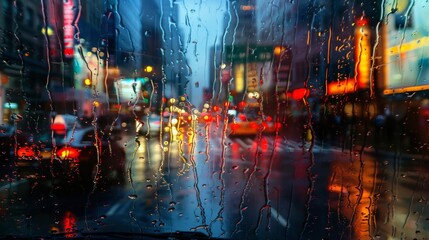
(148, 69)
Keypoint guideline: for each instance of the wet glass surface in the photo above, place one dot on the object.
(244, 119)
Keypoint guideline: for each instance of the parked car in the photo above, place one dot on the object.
(85, 155)
(19, 154)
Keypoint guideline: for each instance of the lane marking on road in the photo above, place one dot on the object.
(119, 207)
(277, 216)
(242, 144)
(113, 209)
(13, 184)
(249, 141)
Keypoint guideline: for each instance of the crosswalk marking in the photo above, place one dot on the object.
(119, 208)
(283, 145)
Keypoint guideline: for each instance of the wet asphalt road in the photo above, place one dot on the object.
(250, 187)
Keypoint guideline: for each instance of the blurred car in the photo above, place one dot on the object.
(150, 125)
(116, 122)
(245, 125)
(33, 157)
(21, 153)
(7, 146)
(86, 155)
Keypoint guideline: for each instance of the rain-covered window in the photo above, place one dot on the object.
(227, 119)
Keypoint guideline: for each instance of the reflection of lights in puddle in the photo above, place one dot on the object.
(142, 146)
(337, 188)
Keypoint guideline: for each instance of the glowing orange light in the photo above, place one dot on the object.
(207, 118)
(278, 50)
(26, 152)
(68, 153)
(247, 7)
(87, 82)
(342, 87)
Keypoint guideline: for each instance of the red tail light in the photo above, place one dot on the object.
(234, 126)
(207, 118)
(25, 152)
(58, 128)
(254, 125)
(242, 117)
(67, 153)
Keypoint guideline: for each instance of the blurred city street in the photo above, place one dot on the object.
(268, 186)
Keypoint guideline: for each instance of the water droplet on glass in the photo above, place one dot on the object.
(161, 224)
(149, 186)
(171, 209)
(234, 167)
(153, 222)
(172, 203)
(103, 217)
(132, 196)
(180, 214)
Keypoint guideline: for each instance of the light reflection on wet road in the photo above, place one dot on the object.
(354, 197)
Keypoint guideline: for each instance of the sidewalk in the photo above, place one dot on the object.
(368, 148)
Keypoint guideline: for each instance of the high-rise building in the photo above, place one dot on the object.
(24, 65)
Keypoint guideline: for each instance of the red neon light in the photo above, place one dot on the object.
(68, 18)
(300, 93)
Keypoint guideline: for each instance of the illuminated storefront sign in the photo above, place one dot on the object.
(129, 89)
(362, 56)
(342, 87)
(362, 63)
(406, 55)
(68, 17)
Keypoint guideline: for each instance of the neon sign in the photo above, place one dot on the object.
(68, 17)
